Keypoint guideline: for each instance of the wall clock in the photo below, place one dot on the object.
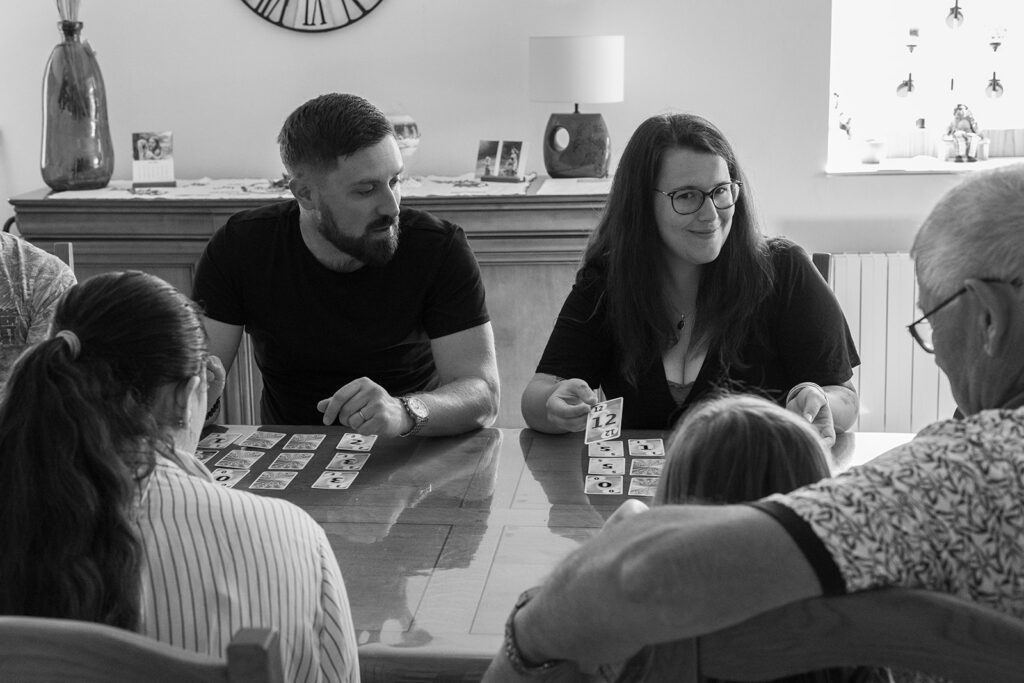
(312, 16)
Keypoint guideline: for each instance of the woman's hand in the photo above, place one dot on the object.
(811, 402)
(569, 405)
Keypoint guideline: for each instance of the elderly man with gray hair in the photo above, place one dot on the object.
(940, 513)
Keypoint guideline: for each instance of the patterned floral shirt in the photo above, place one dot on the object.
(31, 283)
(944, 512)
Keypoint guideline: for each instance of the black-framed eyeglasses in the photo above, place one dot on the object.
(921, 329)
(690, 200)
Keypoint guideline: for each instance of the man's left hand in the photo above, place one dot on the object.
(367, 408)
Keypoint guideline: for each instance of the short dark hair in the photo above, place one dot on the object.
(737, 448)
(327, 127)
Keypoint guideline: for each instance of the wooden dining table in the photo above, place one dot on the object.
(436, 537)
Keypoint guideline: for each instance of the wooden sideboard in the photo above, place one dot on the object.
(528, 247)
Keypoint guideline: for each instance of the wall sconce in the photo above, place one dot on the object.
(577, 69)
(955, 18)
(995, 88)
(906, 87)
(913, 38)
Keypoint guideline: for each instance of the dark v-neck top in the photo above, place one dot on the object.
(804, 338)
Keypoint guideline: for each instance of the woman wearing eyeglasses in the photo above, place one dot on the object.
(679, 292)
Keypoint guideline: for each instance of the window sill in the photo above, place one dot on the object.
(920, 165)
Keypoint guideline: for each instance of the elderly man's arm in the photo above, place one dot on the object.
(672, 573)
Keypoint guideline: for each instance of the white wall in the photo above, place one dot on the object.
(223, 80)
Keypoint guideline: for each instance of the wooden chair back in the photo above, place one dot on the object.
(33, 650)
(912, 630)
(65, 251)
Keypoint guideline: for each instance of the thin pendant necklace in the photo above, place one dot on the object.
(682, 322)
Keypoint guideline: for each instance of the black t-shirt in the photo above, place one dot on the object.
(806, 340)
(314, 330)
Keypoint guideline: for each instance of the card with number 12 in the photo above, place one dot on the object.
(604, 421)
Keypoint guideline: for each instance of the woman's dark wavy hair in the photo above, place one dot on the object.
(77, 436)
(625, 251)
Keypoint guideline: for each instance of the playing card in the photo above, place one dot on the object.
(335, 480)
(218, 439)
(646, 467)
(291, 461)
(357, 442)
(348, 461)
(605, 449)
(261, 439)
(607, 466)
(304, 442)
(228, 478)
(272, 480)
(604, 421)
(240, 459)
(643, 486)
(202, 454)
(647, 447)
(603, 485)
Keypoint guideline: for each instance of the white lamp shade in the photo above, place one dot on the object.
(577, 68)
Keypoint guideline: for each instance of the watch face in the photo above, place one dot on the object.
(312, 16)
(417, 407)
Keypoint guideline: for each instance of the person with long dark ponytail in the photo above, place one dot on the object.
(106, 515)
(680, 294)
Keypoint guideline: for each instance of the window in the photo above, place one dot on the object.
(895, 102)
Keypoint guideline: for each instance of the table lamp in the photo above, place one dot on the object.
(577, 69)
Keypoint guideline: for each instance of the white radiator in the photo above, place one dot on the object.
(901, 389)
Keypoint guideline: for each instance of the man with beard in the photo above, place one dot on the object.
(360, 312)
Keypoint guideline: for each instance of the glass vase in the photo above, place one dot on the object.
(77, 152)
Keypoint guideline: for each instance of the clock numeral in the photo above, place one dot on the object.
(271, 10)
(352, 16)
(314, 13)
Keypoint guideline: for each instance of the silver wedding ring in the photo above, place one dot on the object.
(360, 411)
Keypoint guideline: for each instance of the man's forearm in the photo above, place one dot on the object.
(460, 406)
(673, 573)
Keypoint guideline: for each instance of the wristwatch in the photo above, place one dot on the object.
(512, 653)
(417, 410)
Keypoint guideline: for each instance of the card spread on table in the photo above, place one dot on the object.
(304, 442)
(607, 466)
(602, 485)
(272, 480)
(228, 478)
(204, 454)
(335, 480)
(604, 421)
(291, 461)
(643, 486)
(218, 439)
(647, 447)
(357, 442)
(261, 439)
(646, 467)
(606, 449)
(348, 461)
(240, 459)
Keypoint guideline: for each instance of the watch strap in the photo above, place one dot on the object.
(417, 421)
(521, 665)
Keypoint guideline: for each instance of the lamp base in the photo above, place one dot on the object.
(587, 152)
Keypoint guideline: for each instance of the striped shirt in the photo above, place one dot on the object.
(218, 560)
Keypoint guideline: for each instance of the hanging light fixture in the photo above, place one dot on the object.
(955, 18)
(913, 37)
(995, 88)
(906, 87)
